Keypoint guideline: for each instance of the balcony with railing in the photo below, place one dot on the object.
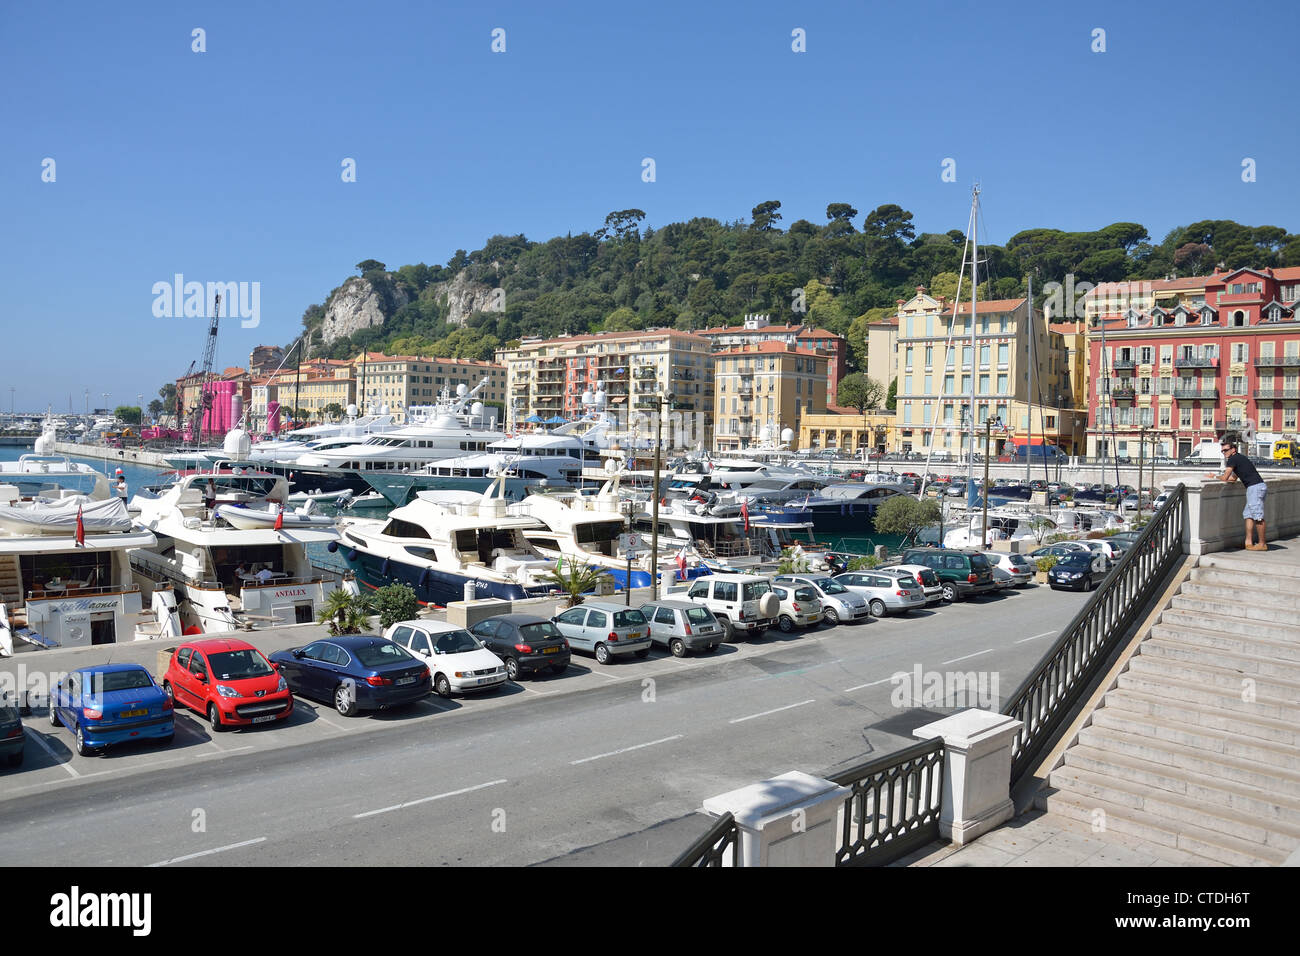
(746, 392)
(1204, 393)
(1277, 361)
(1123, 393)
(1124, 363)
(1197, 361)
(1275, 393)
(646, 371)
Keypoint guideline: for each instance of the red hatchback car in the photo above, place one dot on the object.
(228, 680)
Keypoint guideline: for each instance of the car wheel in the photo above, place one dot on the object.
(214, 718)
(677, 646)
(442, 686)
(728, 631)
(786, 623)
(877, 608)
(950, 593)
(54, 715)
(83, 749)
(602, 654)
(512, 669)
(345, 700)
(16, 759)
(832, 616)
(171, 694)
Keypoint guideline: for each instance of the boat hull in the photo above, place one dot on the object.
(431, 586)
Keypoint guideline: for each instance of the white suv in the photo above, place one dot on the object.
(742, 603)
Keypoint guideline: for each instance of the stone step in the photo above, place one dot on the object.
(1210, 742)
(1214, 846)
(1222, 678)
(1174, 689)
(1251, 564)
(1232, 643)
(1179, 811)
(1234, 624)
(1246, 580)
(1242, 594)
(1172, 648)
(1190, 761)
(1227, 606)
(1250, 727)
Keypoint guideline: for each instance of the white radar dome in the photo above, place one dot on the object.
(237, 443)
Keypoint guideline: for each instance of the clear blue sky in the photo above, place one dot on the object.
(225, 165)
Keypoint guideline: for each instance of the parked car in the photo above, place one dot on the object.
(458, 661)
(1112, 549)
(1079, 571)
(1160, 501)
(111, 704)
(887, 590)
(962, 572)
(605, 629)
(12, 738)
(682, 626)
(354, 672)
(740, 602)
(228, 680)
(800, 607)
(526, 643)
(838, 602)
(1058, 550)
(1018, 566)
(928, 580)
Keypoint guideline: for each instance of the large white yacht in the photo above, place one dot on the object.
(216, 569)
(59, 588)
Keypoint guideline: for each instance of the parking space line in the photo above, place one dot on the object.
(606, 676)
(872, 684)
(1036, 637)
(330, 723)
(32, 735)
(623, 750)
(232, 750)
(220, 849)
(438, 796)
(987, 650)
(777, 710)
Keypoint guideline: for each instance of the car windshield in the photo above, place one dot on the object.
(699, 615)
(236, 665)
(633, 618)
(756, 589)
(455, 642)
(1076, 558)
(829, 586)
(540, 631)
(377, 655)
(120, 680)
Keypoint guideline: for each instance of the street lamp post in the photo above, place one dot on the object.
(629, 509)
(988, 431)
(662, 399)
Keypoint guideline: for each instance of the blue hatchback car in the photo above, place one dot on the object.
(355, 672)
(112, 704)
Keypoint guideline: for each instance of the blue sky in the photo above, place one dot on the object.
(225, 165)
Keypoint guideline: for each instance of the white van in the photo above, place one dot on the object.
(1206, 453)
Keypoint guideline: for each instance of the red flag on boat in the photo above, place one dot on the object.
(81, 529)
(279, 518)
(744, 513)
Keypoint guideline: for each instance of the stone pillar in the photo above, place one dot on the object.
(789, 820)
(976, 772)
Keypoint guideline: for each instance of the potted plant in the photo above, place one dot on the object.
(1045, 564)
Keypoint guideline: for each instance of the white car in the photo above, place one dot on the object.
(1019, 567)
(460, 664)
(800, 607)
(929, 581)
(838, 602)
(1104, 546)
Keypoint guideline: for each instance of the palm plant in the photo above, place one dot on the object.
(574, 579)
(345, 613)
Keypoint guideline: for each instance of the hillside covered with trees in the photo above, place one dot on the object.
(838, 275)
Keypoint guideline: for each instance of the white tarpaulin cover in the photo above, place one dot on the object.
(60, 517)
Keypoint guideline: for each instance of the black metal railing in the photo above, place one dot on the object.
(712, 847)
(1047, 697)
(894, 807)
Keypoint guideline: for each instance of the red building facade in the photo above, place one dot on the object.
(1227, 359)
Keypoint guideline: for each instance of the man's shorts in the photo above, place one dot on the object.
(1255, 502)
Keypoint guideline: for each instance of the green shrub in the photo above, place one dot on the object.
(1046, 563)
(395, 602)
(864, 563)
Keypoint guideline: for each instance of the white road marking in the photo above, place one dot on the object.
(1036, 637)
(232, 750)
(330, 723)
(614, 753)
(220, 849)
(438, 796)
(604, 675)
(987, 650)
(872, 684)
(33, 736)
(741, 720)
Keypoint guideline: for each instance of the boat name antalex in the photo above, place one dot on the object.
(195, 300)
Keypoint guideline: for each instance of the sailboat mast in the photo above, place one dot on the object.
(1033, 369)
(974, 295)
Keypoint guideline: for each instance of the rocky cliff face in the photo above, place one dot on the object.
(462, 297)
(357, 305)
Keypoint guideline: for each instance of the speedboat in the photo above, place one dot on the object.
(248, 517)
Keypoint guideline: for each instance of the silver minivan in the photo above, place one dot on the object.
(605, 629)
(887, 590)
(682, 626)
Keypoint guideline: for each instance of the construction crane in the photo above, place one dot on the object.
(205, 374)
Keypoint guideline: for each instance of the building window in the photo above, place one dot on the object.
(1184, 417)
(1003, 353)
(1288, 418)
(1164, 416)
(1237, 385)
(1266, 418)
(1002, 384)
(1207, 416)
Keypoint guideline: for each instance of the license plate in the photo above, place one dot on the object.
(405, 680)
(133, 713)
(550, 650)
(635, 636)
(262, 720)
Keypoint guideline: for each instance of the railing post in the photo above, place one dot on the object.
(977, 771)
(786, 821)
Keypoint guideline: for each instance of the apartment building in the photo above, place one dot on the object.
(761, 390)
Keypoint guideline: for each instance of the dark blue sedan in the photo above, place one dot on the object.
(354, 672)
(1078, 571)
(111, 704)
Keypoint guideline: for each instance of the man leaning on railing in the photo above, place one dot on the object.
(1239, 467)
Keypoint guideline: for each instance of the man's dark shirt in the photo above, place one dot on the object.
(1243, 469)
